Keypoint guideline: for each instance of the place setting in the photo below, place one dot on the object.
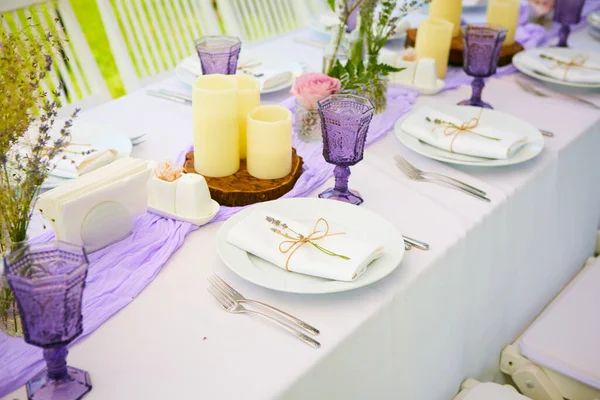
(264, 189)
(272, 73)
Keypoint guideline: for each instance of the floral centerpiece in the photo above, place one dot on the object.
(378, 21)
(27, 148)
(309, 88)
(540, 11)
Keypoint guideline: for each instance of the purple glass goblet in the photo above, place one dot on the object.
(345, 122)
(567, 13)
(482, 45)
(218, 54)
(48, 280)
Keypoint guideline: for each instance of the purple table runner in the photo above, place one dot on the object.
(118, 273)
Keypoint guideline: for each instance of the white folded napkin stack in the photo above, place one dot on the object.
(254, 235)
(97, 209)
(77, 160)
(420, 125)
(558, 67)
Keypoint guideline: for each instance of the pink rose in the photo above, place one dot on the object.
(313, 86)
(541, 7)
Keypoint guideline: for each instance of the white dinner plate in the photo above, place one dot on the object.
(594, 20)
(97, 136)
(349, 218)
(507, 122)
(190, 69)
(326, 22)
(563, 52)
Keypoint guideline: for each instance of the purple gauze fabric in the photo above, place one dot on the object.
(530, 35)
(118, 273)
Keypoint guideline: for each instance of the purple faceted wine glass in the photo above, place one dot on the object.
(567, 13)
(345, 122)
(481, 53)
(48, 280)
(218, 54)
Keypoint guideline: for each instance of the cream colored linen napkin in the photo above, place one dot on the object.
(579, 71)
(417, 125)
(77, 160)
(254, 235)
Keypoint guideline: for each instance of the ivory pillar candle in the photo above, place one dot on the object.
(448, 10)
(434, 38)
(506, 14)
(269, 142)
(248, 100)
(216, 125)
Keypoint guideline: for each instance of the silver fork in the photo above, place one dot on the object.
(529, 88)
(436, 175)
(238, 297)
(135, 141)
(417, 177)
(233, 307)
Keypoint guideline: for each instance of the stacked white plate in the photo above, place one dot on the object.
(534, 146)
(594, 21)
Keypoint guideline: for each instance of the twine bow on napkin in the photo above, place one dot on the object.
(452, 129)
(296, 240)
(575, 62)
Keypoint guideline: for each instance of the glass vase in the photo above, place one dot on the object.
(10, 319)
(338, 49)
(307, 123)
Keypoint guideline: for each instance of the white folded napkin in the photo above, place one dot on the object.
(81, 159)
(271, 77)
(417, 125)
(578, 74)
(254, 235)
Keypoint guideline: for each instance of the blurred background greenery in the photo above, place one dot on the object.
(89, 19)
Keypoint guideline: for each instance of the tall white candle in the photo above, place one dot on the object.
(216, 125)
(248, 100)
(269, 142)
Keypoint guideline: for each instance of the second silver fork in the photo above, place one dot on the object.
(238, 297)
(408, 165)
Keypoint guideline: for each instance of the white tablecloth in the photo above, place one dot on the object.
(442, 316)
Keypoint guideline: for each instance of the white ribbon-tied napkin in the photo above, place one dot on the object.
(342, 256)
(78, 160)
(474, 137)
(577, 69)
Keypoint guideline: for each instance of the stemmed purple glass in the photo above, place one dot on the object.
(218, 54)
(567, 13)
(48, 280)
(345, 122)
(481, 53)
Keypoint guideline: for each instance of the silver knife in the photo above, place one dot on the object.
(416, 243)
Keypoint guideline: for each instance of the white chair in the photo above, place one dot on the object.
(148, 38)
(475, 390)
(76, 69)
(558, 356)
(253, 20)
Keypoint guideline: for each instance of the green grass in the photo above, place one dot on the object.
(88, 15)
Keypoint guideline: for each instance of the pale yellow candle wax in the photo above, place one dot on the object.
(248, 100)
(216, 125)
(506, 14)
(448, 10)
(434, 38)
(269, 142)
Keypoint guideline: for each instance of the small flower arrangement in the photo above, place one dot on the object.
(541, 7)
(27, 148)
(309, 88)
(313, 86)
(167, 171)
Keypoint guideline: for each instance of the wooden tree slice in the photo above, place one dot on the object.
(456, 50)
(242, 189)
